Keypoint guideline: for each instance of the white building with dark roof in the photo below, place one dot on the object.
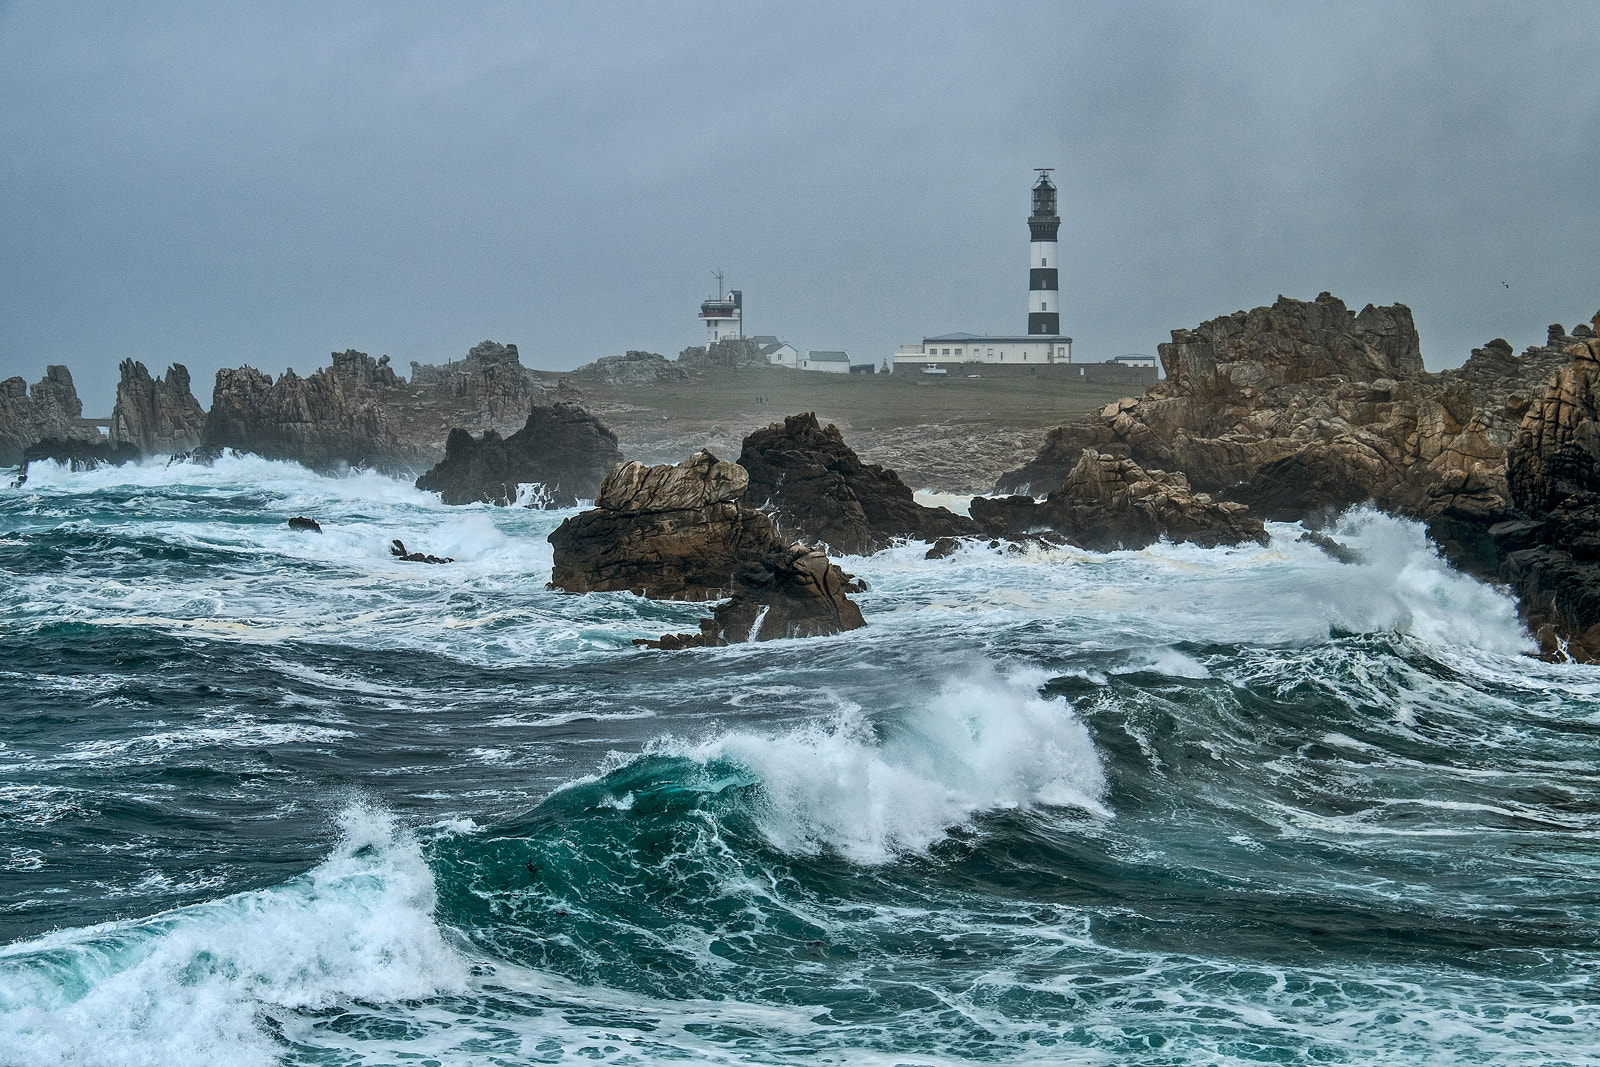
(778, 353)
(826, 362)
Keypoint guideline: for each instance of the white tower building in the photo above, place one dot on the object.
(724, 315)
(1044, 295)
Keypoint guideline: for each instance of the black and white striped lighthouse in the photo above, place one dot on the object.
(1044, 297)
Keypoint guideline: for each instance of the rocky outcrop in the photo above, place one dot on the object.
(1552, 549)
(632, 368)
(1108, 504)
(816, 488)
(334, 418)
(679, 532)
(51, 411)
(158, 416)
(723, 355)
(491, 383)
(1306, 407)
(561, 449)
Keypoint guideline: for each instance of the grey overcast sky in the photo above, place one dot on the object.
(219, 184)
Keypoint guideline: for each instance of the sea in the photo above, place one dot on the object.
(270, 796)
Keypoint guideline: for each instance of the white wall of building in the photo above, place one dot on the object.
(986, 350)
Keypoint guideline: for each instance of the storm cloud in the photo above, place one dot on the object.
(224, 184)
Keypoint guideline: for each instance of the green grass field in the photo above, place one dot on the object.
(868, 402)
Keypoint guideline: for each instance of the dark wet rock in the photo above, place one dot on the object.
(943, 548)
(632, 368)
(816, 488)
(300, 522)
(679, 533)
(672, 533)
(50, 411)
(158, 416)
(1008, 516)
(562, 448)
(397, 549)
(1336, 550)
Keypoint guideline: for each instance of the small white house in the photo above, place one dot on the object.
(778, 353)
(1135, 359)
(826, 362)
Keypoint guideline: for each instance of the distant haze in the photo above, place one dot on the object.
(221, 184)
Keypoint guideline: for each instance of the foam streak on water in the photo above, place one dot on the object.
(269, 796)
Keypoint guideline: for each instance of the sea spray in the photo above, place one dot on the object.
(194, 985)
(870, 790)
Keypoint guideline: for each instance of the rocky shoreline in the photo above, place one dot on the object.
(1288, 412)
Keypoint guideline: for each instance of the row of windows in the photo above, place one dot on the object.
(1062, 352)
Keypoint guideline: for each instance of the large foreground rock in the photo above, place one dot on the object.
(158, 416)
(679, 532)
(1305, 407)
(817, 488)
(562, 449)
(51, 411)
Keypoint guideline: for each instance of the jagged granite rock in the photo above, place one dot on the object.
(1304, 407)
(1109, 503)
(158, 416)
(632, 368)
(679, 533)
(336, 417)
(672, 533)
(561, 448)
(51, 411)
(1552, 555)
(816, 488)
(491, 382)
(78, 454)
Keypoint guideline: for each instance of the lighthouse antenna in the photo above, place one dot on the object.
(717, 274)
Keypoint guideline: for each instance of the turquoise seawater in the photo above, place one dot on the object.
(272, 797)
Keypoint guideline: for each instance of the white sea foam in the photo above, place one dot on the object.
(983, 742)
(196, 985)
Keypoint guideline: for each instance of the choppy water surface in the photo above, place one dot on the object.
(274, 797)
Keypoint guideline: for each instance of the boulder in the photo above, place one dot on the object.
(816, 488)
(561, 448)
(1109, 503)
(300, 522)
(724, 355)
(669, 532)
(680, 533)
(51, 411)
(158, 416)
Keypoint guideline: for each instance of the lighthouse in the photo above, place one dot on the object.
(723, 314)
(1044, 297)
